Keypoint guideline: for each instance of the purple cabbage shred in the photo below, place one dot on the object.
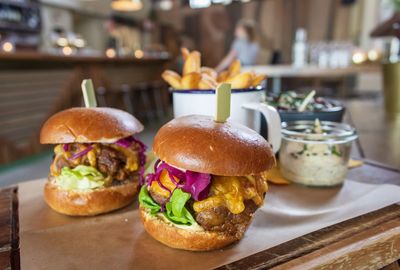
(81, 153)
(197, 184)
(66, 147)
(127, 142)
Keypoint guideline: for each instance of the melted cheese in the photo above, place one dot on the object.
(53, 169)
(132, 163)
(59, 153)
(226, 191)
(231, 192)
(166, 182)
(58, 149)
(91, 155)
(132, 160)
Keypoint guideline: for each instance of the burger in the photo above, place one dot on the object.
(97, 165)
(209, 180)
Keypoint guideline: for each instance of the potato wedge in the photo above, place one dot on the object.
(207, 82)
(242, 80)
(192, 63)
(234, 68)
(185, 53)
(209, 71)
(191, 80)
(223, 76)
(172, 78)
(257, 80)
(274, 176)
(354, 163)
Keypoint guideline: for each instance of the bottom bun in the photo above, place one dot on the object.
(91, 202)
(184, 238)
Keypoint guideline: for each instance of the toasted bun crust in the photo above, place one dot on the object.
(184, 239)
(200, 144)
(89, 203)
(85, 125)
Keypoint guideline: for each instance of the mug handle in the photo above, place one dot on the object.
(273, 122)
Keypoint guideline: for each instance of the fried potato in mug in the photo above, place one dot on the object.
(257, 80)
(240, 81)
(207, 82)
(172, 78)
(191, 80)
(192, 63)
(234, 68)
(185, 53)
(209, 71)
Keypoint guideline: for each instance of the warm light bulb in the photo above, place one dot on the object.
(359, 57)
(139, 54)
(110, 53)
(126, 5)
(373, 55)
(165, 4)
(67, 50)
(8, 46)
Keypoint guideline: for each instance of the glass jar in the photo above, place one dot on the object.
(315, 159)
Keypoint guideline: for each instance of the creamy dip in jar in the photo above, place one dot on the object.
(315, 153)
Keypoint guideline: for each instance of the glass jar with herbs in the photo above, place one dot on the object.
(315, 153)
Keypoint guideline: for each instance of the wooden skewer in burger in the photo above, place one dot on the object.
(208, 182)
(98, 163)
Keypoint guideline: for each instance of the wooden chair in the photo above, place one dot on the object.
(146, 101)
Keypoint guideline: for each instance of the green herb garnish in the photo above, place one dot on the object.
(335, 151)
(305, 148)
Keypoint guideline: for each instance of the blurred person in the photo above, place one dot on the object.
(244, 47)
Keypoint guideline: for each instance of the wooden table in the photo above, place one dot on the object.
(277, 72)
(379, 134)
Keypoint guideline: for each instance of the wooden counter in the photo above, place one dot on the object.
(15, 59)
(290, 71)
(34, 86)
(313, 76)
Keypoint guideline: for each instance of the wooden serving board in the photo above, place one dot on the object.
(9, 234)
(370, 241)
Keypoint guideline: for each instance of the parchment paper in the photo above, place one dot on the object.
(117, 241)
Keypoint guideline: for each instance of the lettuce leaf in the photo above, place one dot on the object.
(81, 177)
(147, 201)
(175, 208)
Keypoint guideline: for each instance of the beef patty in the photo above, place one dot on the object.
(220, 219)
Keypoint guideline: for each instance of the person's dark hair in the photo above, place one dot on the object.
(249, 27)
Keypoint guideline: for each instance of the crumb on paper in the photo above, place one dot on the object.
(354, 163)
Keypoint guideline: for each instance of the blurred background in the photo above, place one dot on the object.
(340, 48)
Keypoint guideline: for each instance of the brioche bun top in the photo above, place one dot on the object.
(88, 125)
(200, 144)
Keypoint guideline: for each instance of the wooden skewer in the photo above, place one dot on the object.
(223, 102)
(88, 93)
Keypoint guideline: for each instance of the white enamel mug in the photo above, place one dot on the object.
(245, 109)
